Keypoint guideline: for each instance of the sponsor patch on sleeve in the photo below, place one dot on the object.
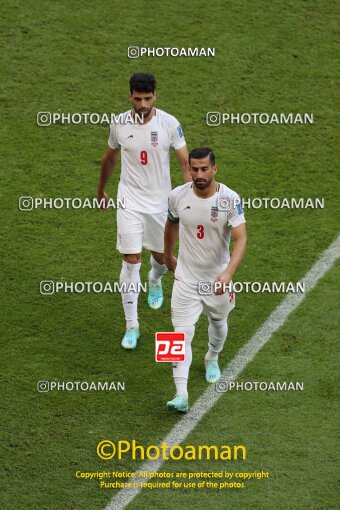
(239, 209)
(180, 131)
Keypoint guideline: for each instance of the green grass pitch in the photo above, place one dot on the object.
(273, 56)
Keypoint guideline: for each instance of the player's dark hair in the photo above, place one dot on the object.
(202, 152)
(142, 82)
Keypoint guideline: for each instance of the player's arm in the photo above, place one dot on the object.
(109, 162)
(170, 237)
(239, 237)
(182, 155)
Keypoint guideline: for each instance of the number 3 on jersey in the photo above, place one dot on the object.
(143, 157)
(200, 231)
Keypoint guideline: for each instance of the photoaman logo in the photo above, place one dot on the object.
(107, 450)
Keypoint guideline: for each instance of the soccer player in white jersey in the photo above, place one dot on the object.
(205, 214)
(145, 185)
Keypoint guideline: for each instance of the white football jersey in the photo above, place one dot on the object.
(204, 230)
(145, 181)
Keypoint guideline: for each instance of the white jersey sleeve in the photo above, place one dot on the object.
(177, 136)
(112, 141)
(235, 214)
(172, 207)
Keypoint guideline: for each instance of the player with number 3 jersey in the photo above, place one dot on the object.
(206, 215)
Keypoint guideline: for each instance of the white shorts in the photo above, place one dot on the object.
(187, 304)
(137, 230)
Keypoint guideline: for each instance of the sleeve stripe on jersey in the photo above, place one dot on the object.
(172, 218)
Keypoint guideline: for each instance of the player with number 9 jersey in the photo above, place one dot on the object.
(144, 138)
(145, 182)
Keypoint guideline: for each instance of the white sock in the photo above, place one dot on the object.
(157, 270)
(130, 274)
(181, 386)
(180, 370)
(217, 331)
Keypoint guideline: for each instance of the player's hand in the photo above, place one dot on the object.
(102, 195)
(221, 283)
(171, 263)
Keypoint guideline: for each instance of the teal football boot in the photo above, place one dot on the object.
(130, 338)
(155, 296)
(212, 371)
(180, 403)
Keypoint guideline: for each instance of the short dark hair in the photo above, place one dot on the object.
(142, 82)
(202, 152)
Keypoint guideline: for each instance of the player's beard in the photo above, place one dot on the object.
(205, 183)
(145, 113)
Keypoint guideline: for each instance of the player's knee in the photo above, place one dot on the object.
(217, 322)
(218, 325)
(132, 258)
(189, 332)
(129, 272)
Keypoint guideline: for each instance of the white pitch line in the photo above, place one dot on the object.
(245, 355)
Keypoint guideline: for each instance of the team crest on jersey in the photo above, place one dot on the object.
(214, 214)
(154, 138)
